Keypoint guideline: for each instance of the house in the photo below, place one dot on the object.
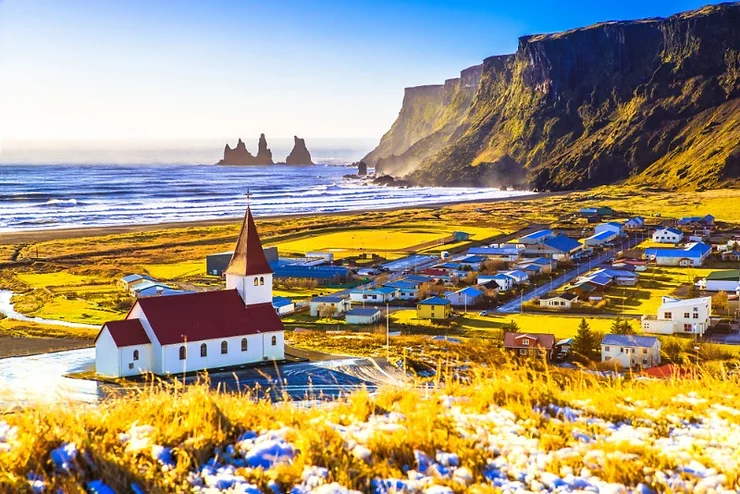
(379, 295)
(340, 305)
(620, 277)
(611, 226)
(204, 330)
(460, 236)
(217, 263)
(706, 221)
(563, 301)
(128, 282)
(727, 280)
(151, 287)
(506, 254)
(434, 308)
(548, 265)
(531, 269)
(631, 351)
(559, 247)
(599, 239)
(467, 297)
(600, 281)
(532, 345)
(676, 316)
(731, 255)
(503, 281)
(518, 276)
(418, 278)
(326, 257)
(691, 255)
(407, 290)
(157, 290)
(536, 237)
(472, 263)
(362, 316)
(635, 223)
(667, 235)
(323, 274)
(283, 305)
(584, 289)
(596, 211)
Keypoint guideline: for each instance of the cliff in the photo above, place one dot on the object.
(264, 155)
(655, 101)
(299, 155)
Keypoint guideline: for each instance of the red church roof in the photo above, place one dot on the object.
(128, 332)
(207, 315)
(249, 258)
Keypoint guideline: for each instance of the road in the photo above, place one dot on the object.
(582, 268)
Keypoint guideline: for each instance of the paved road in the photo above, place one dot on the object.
(515, 305)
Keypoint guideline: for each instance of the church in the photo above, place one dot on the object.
(204, 330)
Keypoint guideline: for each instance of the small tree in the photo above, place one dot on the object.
(621, 326)
(584, 342)
(720, 302)
(326, 311)
(492, 266)
(470, 278)
(511, 326)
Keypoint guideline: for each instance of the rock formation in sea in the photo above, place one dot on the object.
(653, 101)
(264, 155)
(237, 156)
(361, 168)
(299, 155)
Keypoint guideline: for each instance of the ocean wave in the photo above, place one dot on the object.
(61, 202)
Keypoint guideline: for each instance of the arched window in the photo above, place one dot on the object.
(183, 353)
(274, 341)
(136, 354)
(224, 347)
(262, 280)
(244, 345)
(256, 281)
(204, 350)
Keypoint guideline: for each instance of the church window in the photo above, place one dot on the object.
(224, 347)
(204, 350)
(136, 354)
(262, 280)
(183, 353)
(274, 341)
(256, 281)
(244, 345)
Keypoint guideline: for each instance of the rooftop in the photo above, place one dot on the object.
(629, 340)
(563, 243)
(435, 301)
(362, 312)
(249, 258)
(128, 332)
(537, 235)
(327, 299)
(726, 274)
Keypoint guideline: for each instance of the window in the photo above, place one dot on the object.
(686, 315)
(224, 347)
(244, 345)
(668, 315)
(274, 341)
(621, 350)
(687, 327)
(644, 361)
(696, 315)
(523, 351)
(644, 350)
(204, 350)
(256, 281)
(606, 348)
(136, 354)
(262, 280)
(130, 365)
(525, 342)
(183, 353)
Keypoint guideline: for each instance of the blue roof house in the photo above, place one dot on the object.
(693, 254)
(374, 295)
(466, 297)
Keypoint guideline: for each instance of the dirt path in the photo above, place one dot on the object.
(21, 346)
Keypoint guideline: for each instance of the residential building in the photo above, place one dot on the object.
(611, 226)
(196, 331)
(631, 351)
(548, 265)
(503, 281)
(434, 308)
(531, 345)
(731, 255)
(407, 290)
(599, 239)
(157, 290)
(340, 305)
(509, 253)
(468, 296)
(635, 223)
(563, 301)
(460, 236)
(536, 237)
(676, 316)
(667, 235)
(128, 282)
(362, 316)
(151, 286)
(560, 247)
(620, 277)
(324, 275)
(706, 221)
(519, 276)
(283, 305)
(596, 211)
(726, 280)
(691, 255)
(379, 295)
(531, 269)
(472, 263)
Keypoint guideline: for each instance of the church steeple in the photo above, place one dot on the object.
(248, 258)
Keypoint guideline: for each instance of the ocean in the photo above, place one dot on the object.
(52, 193)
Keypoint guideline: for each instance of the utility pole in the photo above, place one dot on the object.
(387, 330)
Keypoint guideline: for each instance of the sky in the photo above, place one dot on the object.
(187, 69)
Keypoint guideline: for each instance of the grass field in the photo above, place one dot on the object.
(177, 271)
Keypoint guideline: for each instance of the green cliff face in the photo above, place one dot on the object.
(653, 102)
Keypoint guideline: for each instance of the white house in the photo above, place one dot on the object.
(519, 276)
(374, 295)
(504, 282)
(564, 301)
(690, 255)
(667, 235)
(204, 330)
(341, 305)
(536, 237)
(132, 280)
(506, 252)
(407, 290)
(362, 316)
(689, 316)
(611, 226)
(727, 280)
(631, 351)
(283, 305)
(468, 296)
(559, 247)
(600, 238)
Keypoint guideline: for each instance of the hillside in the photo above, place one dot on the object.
(655, 101)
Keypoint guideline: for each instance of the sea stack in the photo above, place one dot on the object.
(264, 155)
(361, 169)
(299, 155)
(237, 156)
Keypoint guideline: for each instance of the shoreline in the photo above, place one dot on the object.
(40, 235)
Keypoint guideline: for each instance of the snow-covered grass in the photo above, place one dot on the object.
(512, 429)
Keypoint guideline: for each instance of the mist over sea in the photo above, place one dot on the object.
(117, 184)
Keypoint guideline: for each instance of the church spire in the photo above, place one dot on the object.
(248, 258)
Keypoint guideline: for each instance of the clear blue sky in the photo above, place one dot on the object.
(101, 69)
